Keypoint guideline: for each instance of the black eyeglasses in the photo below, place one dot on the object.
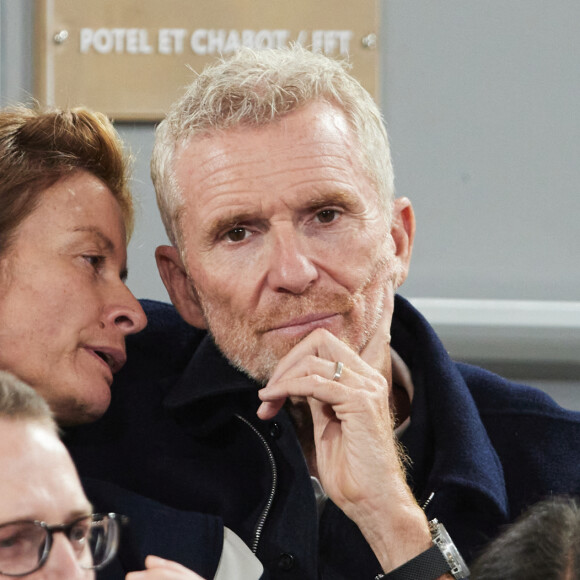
(25, 545)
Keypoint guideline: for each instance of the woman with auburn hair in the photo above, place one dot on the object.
(66, 215)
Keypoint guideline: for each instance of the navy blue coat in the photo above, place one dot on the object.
(182, 429)
(192, 538)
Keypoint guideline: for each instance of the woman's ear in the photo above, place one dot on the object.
(179, 285)
(403, 234)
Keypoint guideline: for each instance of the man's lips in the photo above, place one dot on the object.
(305, 324)
(115, 358)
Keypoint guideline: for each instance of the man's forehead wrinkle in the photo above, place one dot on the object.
(234, 156)
(333, 175)
(324, 161)
(337, 187)
(220, 171)
(325, 158)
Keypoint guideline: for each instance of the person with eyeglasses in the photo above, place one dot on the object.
(47, 528)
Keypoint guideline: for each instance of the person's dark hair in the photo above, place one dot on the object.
(18, 401)
(40, 147)
(544, 543)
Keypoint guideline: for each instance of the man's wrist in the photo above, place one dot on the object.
(399, 536)
(441, 558)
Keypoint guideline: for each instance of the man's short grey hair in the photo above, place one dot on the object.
(18, 401)
(254, 88)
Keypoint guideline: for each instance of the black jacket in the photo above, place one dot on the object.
(182, 429)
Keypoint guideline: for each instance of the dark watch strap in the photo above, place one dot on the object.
(426, 566)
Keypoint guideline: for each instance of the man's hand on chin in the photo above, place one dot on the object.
(357, 455)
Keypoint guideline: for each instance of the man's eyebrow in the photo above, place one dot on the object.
(75, 514)
(82, 512)
(227, 222)
(337, 196)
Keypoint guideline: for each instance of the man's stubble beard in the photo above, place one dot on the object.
(243, 340)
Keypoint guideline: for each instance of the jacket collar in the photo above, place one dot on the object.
(207, 374)
(446, 440)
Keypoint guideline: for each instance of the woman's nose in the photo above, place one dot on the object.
(125, 311)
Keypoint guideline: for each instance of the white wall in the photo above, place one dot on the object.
(481, 100)
(482, 104)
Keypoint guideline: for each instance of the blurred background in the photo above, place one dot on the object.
(481, 101)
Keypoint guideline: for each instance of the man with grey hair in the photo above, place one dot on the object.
(285, 413)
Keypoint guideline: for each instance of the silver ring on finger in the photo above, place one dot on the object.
(337, 371)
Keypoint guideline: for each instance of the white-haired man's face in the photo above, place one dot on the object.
(283, 233)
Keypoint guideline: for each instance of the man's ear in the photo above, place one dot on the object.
(178, 285)
(403, 234)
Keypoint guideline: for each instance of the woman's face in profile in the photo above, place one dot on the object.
(64, 308)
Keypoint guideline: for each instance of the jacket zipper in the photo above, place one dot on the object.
(263, 516)
(426, 503)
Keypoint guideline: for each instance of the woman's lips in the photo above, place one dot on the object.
(111, 358)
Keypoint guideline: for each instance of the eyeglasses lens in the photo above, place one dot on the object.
(25, 546)
(22, 546)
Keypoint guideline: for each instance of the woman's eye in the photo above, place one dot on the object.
(94, 260)
(237, 235)
(327, 216)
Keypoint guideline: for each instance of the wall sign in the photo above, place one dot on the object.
(132, 58)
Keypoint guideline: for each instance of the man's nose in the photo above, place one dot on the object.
(63, 562)
(290, 267)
